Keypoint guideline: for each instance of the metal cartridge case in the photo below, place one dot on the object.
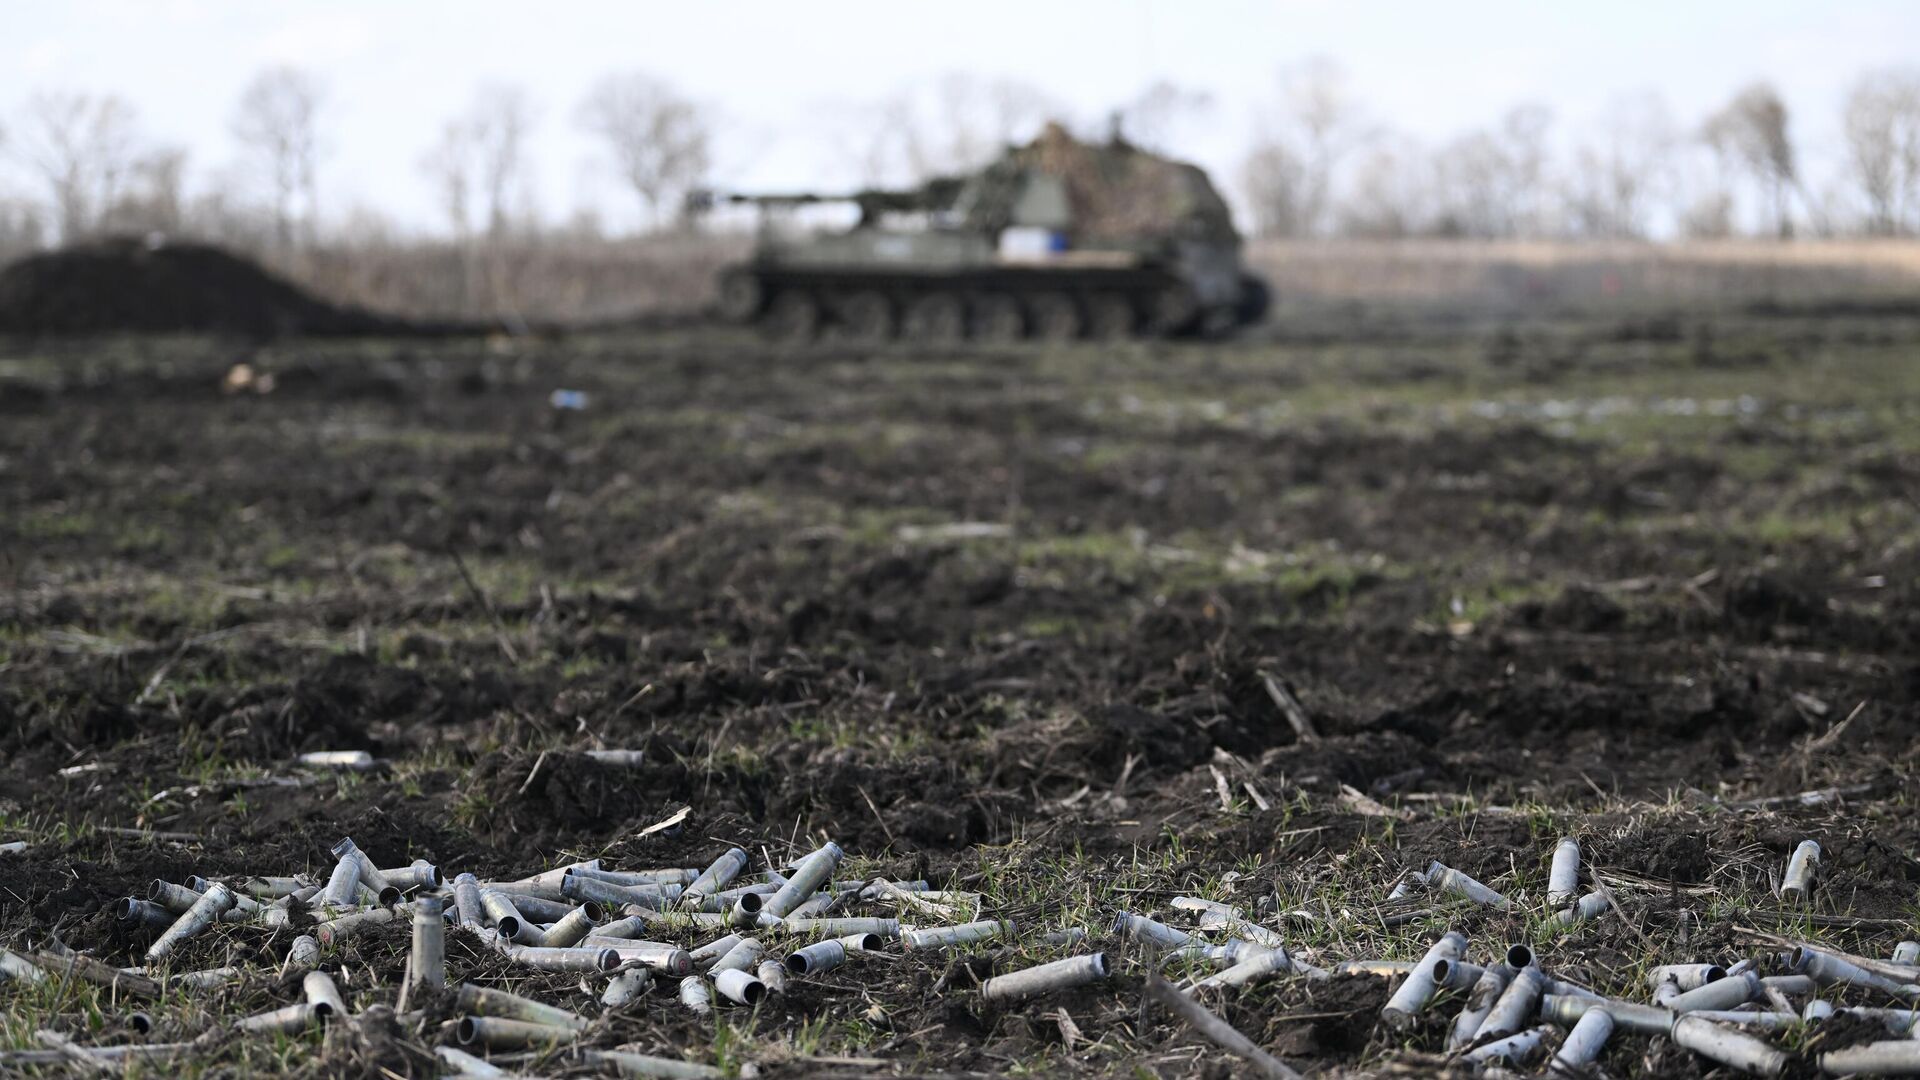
(1033, 981)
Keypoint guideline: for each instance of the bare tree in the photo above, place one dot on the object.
(658, 139)
(1882, 122)
(1752, 129)
(1275, 183)
(1475, 193)
(953, 125)
(82, 147)
(498, 123)
(879, 141)
(277, 122)
(1494, 183)
(1318, 125)
(452, 166)
(1625, 168)
(1160, 111)
(957, 134)
(1019, 110)
(153, 198)
(479, 166)
(1708, 215)
(1523, 135)
(1390, 194)
(973, 121)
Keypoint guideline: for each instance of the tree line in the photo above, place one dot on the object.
(1319, 164)
(91, 171)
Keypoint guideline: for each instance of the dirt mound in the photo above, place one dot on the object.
(132, 284)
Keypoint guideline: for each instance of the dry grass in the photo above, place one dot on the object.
(533, 279)
(1528, 275)
(597, 280)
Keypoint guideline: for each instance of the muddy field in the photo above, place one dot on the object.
(1003, 621)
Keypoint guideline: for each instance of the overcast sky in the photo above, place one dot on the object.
(783, 77)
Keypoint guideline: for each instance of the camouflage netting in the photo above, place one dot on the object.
(1118, 191)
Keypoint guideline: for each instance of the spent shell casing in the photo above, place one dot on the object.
(886, 928)
(1563, 879)
(1722, 993)
(773, 974)
(386, 892)
(713, 950)
(487, 1001)
(1447, 879)
(1685, 976)
(739, 986)
(1515, 1005)
(427, 962)
(506, 918)
(573, 927)
(745, 954)
(334, 931)
(629, 1064)
(816, 958)
(282, 1021)
(662, 956)
(343, 884)
(206, 978)
(1514, 1051)
(1566, 1009)
(1485, 992)
(134, 911)
(501, 1033)
(694, 995)
(1892, 1057)
(1723, 1044)
(465, 1065)
(323, 994)
(213, 903)
(808, 877)
(1150, 932)
(1044, 978)
(939, 937)
(1419, 987)
(1584, 1043)
(718, 875)
(1259, 965)
(542, 958)
(418, 874)
(466, 901)
(626, 988)
(304, 953)
(1801, 868)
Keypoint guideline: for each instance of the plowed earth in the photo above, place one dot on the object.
(1002, 620)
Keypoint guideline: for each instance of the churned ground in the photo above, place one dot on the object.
(1004, 621)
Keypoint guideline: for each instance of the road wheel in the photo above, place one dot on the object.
(1255, 298)
(1054, 317)
(867, 317)
(741, 296)
(938, 318)
(1110, 317)
(997, 318)
(1174, 310)
(792, 318)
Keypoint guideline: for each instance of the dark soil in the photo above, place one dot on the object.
(127, 284)
(1503, 631)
